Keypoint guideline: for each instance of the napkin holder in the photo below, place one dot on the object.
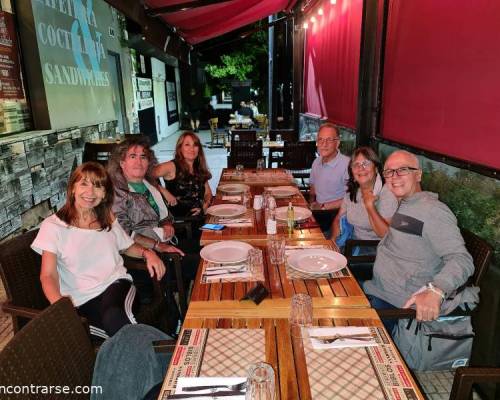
(257, 294)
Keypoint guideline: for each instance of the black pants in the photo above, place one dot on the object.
(111, 310)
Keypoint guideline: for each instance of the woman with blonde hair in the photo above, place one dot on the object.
(80, 247)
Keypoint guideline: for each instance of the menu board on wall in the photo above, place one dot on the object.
(10, 74)
(14, 112)
(73, 44)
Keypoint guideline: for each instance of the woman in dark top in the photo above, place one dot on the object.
(186, 178)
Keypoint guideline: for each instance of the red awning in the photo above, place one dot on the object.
(202, 23)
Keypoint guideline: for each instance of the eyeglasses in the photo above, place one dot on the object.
(326, 141)
(402, 171)
(361, 165)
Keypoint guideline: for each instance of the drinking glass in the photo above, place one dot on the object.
(278, 137)
(239, 170)
(260, 382)
(276, 248)
(255, 260)
(260, 164)
(257, 202)
(236, 138)
(245, 198)
(301, 312)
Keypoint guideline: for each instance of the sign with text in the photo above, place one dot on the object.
(73, 43)
(10, 76)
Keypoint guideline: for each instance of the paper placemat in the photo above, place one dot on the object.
(249, 214)
(352, 373)
(259, 276)
(293, 274)
(214, 352)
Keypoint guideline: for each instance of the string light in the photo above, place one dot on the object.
(320, 11)
(313, 19)
(333, 1)
(305, 25)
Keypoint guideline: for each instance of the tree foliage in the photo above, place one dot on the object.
(247, 59)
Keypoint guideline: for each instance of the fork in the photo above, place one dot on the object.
(330, 339)
(236, 387)
(225, 271)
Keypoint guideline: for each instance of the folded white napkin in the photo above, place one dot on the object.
(205, 381)
(273, 188)
(236, 275)
(343, 331)
(232, 199)
(292, 249)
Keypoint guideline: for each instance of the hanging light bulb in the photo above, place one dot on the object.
(305, 25)
(320, 11)
(313, 19)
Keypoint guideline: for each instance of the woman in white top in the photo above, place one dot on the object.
(368, 204)
(80, 247)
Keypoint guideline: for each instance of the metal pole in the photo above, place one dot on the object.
(270, 103)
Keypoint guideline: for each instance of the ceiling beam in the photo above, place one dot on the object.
(155, 12)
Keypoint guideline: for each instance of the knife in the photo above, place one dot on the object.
(220, 393)
(240, 271)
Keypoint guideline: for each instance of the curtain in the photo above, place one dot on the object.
(441, 86)
(332, 50)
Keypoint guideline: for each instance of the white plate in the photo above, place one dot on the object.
(283, 192)
(300, 213)
(317, 261)
(226, 210)
(233, 188)
(227, 251)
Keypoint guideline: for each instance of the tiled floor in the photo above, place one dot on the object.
(436, 385)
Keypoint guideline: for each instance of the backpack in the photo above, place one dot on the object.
(443, 344)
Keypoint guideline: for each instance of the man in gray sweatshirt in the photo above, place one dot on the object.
(422, 260)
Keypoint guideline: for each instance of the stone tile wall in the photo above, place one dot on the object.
(34, 170)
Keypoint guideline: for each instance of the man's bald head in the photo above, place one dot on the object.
(403, 174)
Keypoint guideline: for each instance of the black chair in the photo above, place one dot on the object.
(465, 377)
(99, 152)
(53, 349)
(244, 153)
(298, 158)
(20, 272)
(287, 135)
(245, 135)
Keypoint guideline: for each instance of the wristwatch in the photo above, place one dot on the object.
(430, 286)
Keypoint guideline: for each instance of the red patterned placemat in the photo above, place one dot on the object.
(214, 352)
(351, 373)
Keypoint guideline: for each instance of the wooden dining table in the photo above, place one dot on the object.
(252, 177)
(255, 231)
(336, 290)
(227, 344)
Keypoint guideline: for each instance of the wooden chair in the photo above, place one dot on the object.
(245, 153)
(465, 377)
(216, 133)
(287, 135)
(298, 158)
(245, 135)
(99, 152)
(53, 349)
(20, 272)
